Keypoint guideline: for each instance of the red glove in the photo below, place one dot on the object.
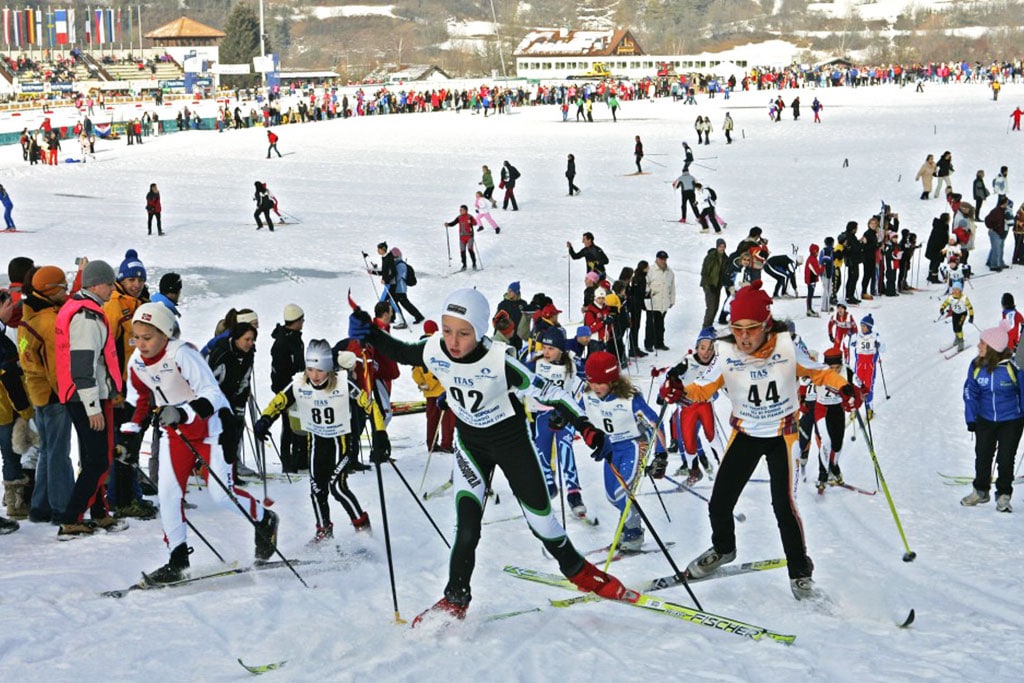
(672, 391)
(852, 397)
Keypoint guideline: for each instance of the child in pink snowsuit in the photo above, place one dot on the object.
(483, 213)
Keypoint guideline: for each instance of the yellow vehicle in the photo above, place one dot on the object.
(599, 72)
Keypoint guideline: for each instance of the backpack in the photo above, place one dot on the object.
(410, 275)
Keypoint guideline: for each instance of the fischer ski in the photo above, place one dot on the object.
(509, 615)
(262, 668)
(434, 493)
(669, 609)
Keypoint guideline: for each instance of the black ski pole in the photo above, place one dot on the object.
(231, 495)
(881, 371)
(418, 502)
(187, 520)
(660, 499)
(387, 544)
(661, 544)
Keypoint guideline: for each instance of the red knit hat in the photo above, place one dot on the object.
(429, 327)
(601, 368)
(751, 303)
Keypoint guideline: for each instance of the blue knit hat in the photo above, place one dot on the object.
(583, 331)
(514, 286)
(131, 267)
(868, 321)
(706, 333)
(553, 336)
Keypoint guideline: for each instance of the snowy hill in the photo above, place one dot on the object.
(353, 183)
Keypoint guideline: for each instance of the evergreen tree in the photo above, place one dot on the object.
(242, 43)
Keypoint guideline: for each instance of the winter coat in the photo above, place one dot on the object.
(153, 202)
(996, 396)
(570, 169)
(944, 166)
(487, 181)
(812, 268)
(925, 174)
(1000, 184)
(937, 239)
(401, 273)
(712, 270)
(233, 371)
(287, 356)
(852, 248)
(662, 287)
(979, 189)
(637, 293)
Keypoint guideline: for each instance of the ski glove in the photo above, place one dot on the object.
(380, 449)
(359, 324)
(971, 426)
(556, 421)
(595, 439)
(678, 370)
(442, 401)
(672, 391)
(171, 416)
(853, 397)
(262, 427)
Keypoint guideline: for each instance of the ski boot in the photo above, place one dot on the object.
(658, 467)
(8, 526)
(708, 467)
(592, 580)
(266, 535)
(835, 476)
(804, 589)
(673, 446)
(454, 604)
(695, 474)
(632, 540)
(362, 522)
(707, 562)
(575, 500)
(175, 570)
(323, 533)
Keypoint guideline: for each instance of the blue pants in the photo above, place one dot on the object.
(12, 460)
(624, 458)
(7, 216)
(54, 476)
(544, 438)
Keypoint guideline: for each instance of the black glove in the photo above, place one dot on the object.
(595, 439)
(442, 401)
(171, 416)
(556, 421)
(262, 427)
(971, 320)
(380, 449)
(678, 370)
(971, 426)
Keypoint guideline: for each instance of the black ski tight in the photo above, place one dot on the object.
(327, 474)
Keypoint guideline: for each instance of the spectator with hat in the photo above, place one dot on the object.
(512, 303)
(661, 287)
(170, 292)
(712, 276)
(287, 358)
(88, 379)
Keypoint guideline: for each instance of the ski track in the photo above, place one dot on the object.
(350, 184)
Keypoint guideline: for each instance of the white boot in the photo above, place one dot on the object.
(1003, 503)
(976, 497)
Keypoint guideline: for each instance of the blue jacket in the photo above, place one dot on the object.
(401, 272)
(994, 396)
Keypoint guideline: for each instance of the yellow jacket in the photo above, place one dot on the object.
(36, 352)
(119, 311)
(424, 377)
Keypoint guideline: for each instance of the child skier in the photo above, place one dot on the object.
(483, 213)
(957, 307)
(867, 349)
(611, 401)
(689, 420)
(190, 406)
(1014, 318)
(841, 329)
(831, 424)
(557, 366)
(485, 388)
(812, 273)
(321, 400)
(466, 241)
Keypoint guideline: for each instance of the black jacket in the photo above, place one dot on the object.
(937, 239)
(233, 370)
(287, 356)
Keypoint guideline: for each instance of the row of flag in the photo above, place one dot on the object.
(34, 27)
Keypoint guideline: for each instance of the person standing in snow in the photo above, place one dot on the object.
(759, 364)
(154, 209)
(926, 174)
(272, 140)
(570, 174)
(686, 184)
(400, 287)
(944, 172)
(638, 154)
(286, 360)
(661, 283)
(993, 400)
(466, 240)
(980, 191)
(727, 127)
(483, 213)
(8, 205)
(492, 433)
(263, 206)
(594, 256)
(488, 182)
(509, 176)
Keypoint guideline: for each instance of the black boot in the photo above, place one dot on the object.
(266, 536)
(176, 568)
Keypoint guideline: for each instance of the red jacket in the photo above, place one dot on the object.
(812, 267)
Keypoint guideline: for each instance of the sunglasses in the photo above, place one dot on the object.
(741, 330)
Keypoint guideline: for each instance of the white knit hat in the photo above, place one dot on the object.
(471, 306)
(319, 355)
(292, 312)
(157, 315)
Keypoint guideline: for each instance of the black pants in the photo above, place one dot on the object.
(572, 186)
(294, 456)
(712, 299)
(273, 148)
(654, 336)
(867, 283)
(728, 136)
(328, 476)
(95, 451)
(690, 199)
(402, 299)
(999, 440)
(159, 225)
(782, 280)
(852, 273)
(266, 215)
(634, 330)
(488, 191)
(707, 216)
(738, 464)
(508, 446)
(933, 268)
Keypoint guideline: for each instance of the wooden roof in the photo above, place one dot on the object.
(184, 27)
(565, 43)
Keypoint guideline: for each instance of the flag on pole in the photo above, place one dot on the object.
(30, 27)
(72, 33)
(6, 14)
(88, 26)
(117, 25)
(109, 16)
(61, 20)
(15, 28)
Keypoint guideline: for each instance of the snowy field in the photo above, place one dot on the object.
(354, 183)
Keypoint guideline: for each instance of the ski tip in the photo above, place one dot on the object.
(909, 620)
